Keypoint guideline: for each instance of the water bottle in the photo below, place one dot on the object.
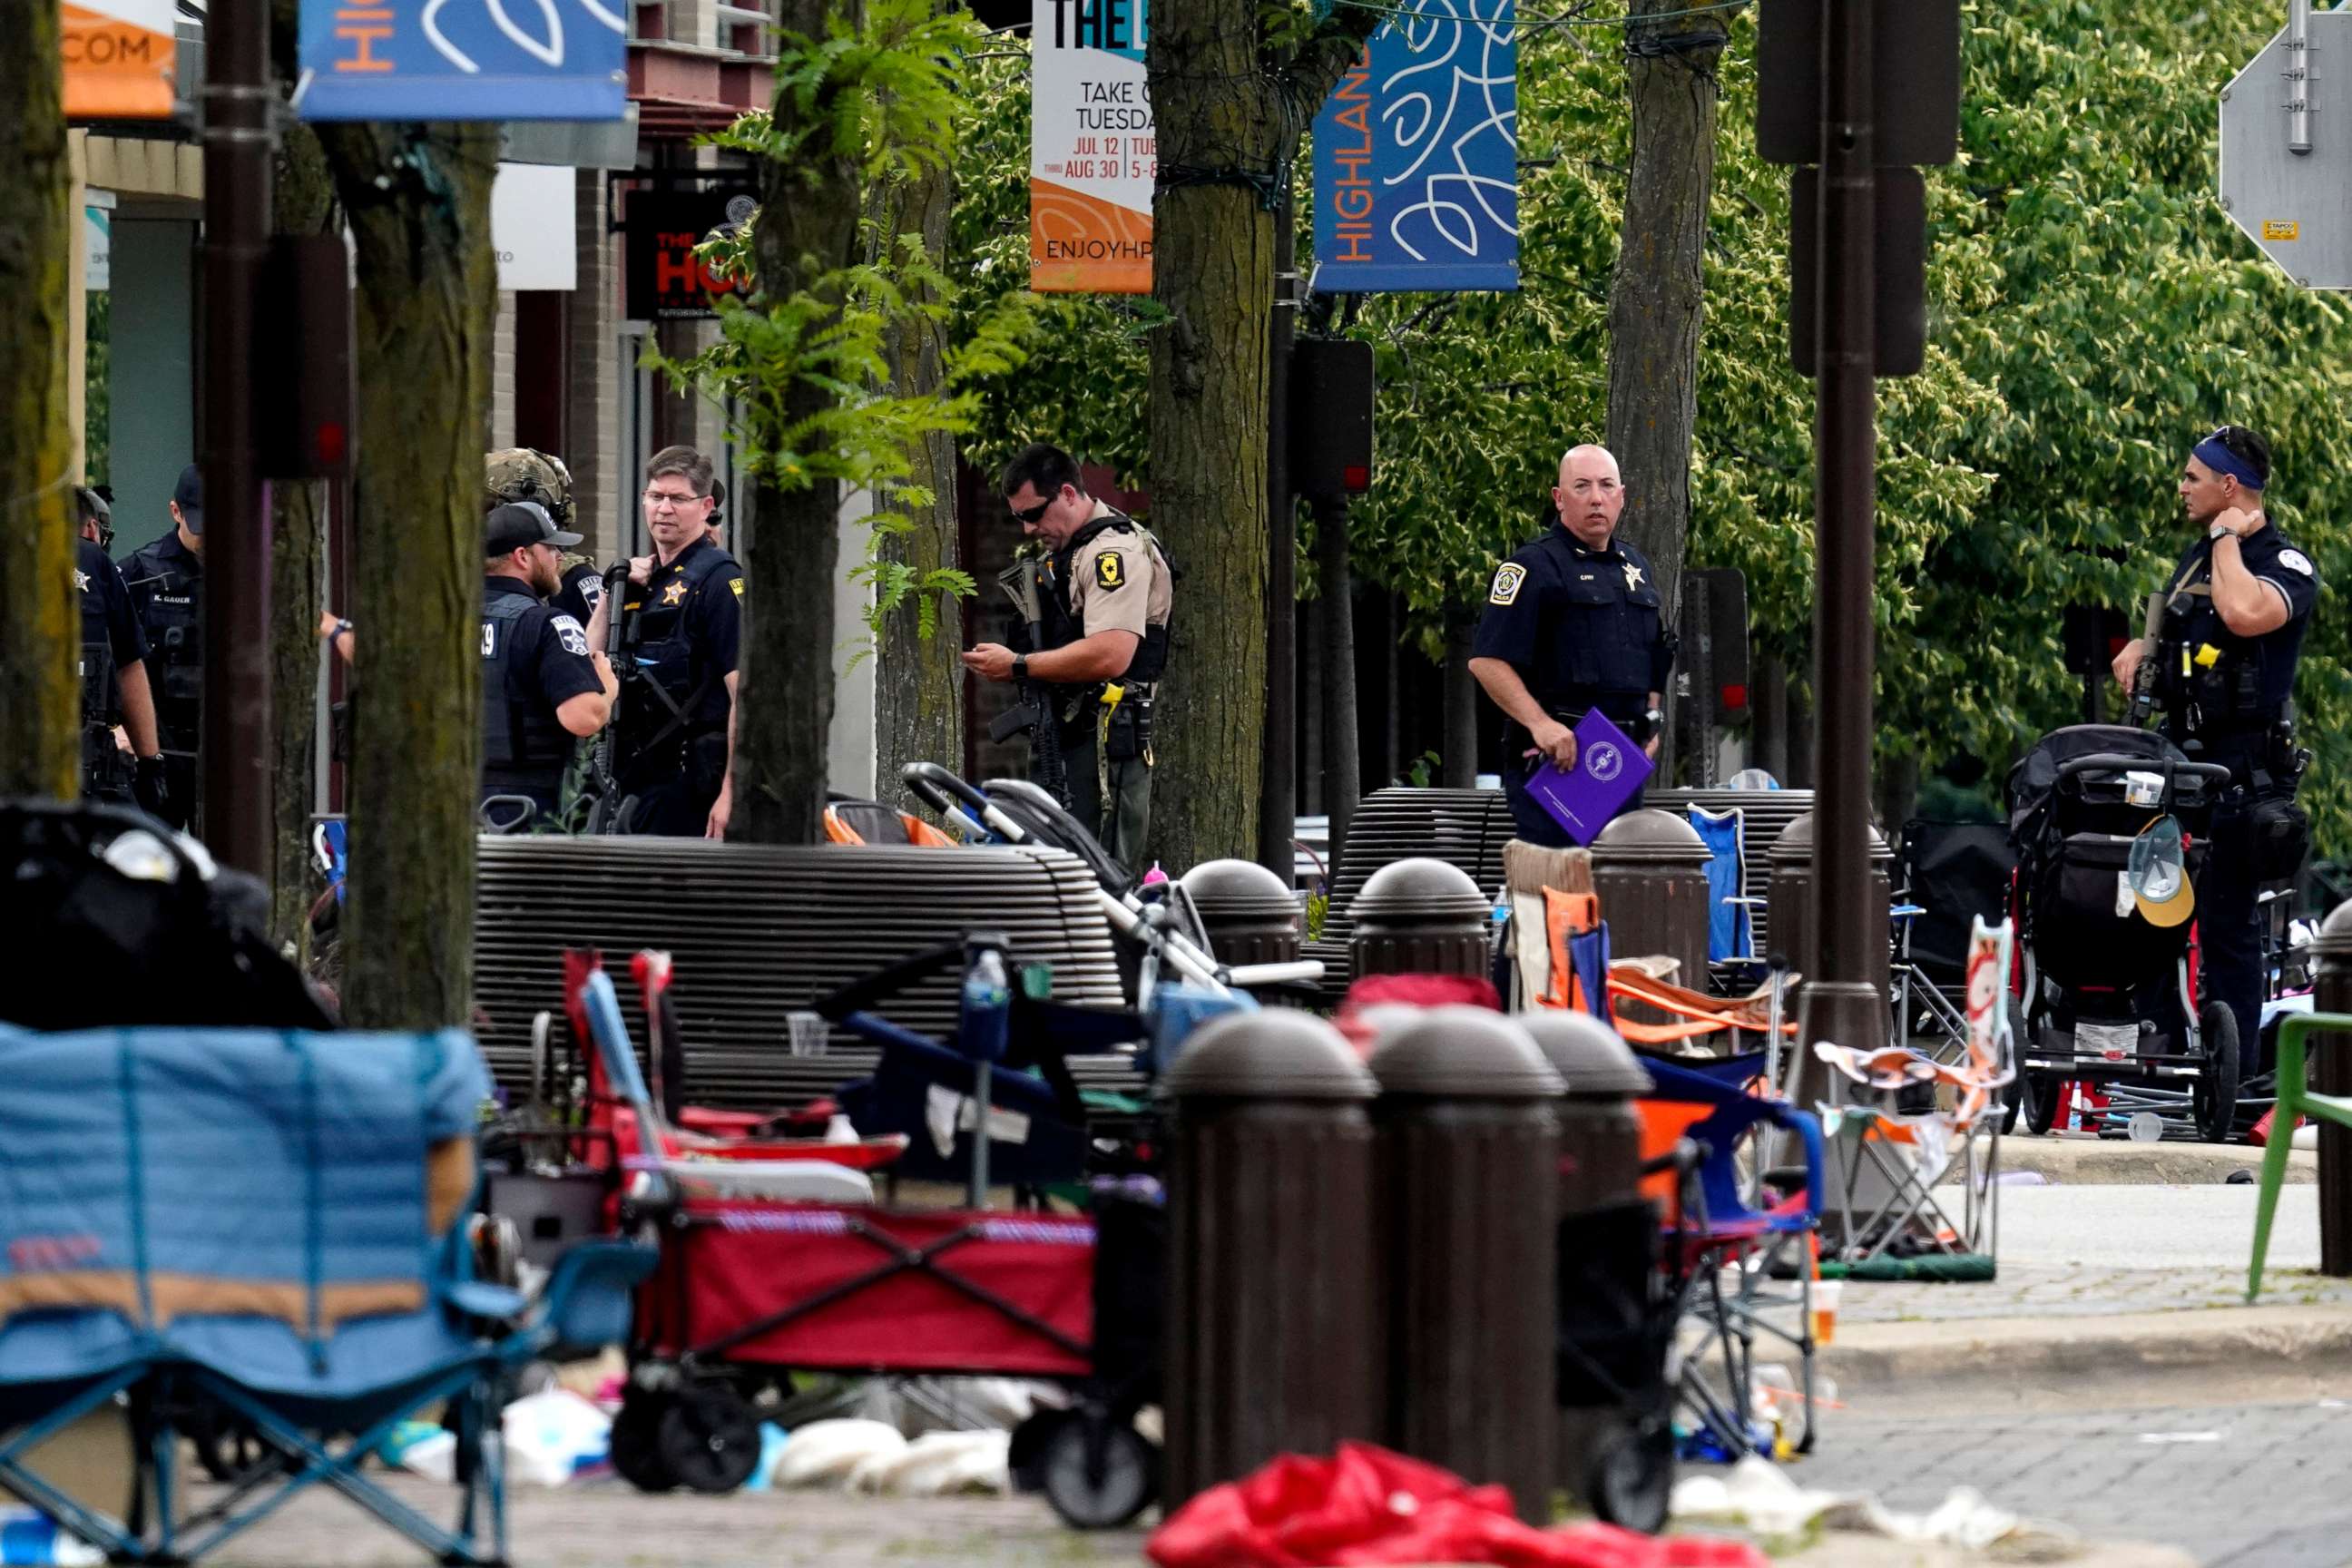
(987, 1001)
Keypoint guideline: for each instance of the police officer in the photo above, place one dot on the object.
(1573, 622)
(525, 473)
(166, 580)
(685, 629)
(1108, 594)
(114, 689)
(543, 683)
(2237, 606)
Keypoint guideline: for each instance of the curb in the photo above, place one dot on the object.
(1880, 1356)
(2114, 1163)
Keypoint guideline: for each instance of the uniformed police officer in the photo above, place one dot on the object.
(166, 579)
(685, 632)
(114, 688)
(525, 473)
(1108, 591)
(543, 682)
(2237, 607)
(1573, 622)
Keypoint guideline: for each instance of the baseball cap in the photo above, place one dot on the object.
(2157, 875)
(188, 495)
(522, 522)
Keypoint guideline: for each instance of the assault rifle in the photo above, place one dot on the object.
(1035, 709)
(609, 813)
(2144, 680)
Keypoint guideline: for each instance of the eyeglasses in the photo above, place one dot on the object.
(1028, 516)
(657, 499)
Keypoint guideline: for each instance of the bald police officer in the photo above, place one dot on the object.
(1573, 622)
(2237, 606)
(1108, 592)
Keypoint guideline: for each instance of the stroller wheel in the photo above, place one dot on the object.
(636, 1441)
(1104, 1490)
(2214, 1097)
(1633, 1476)
(710, 1438)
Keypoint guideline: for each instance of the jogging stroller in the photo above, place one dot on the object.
(2105, 994)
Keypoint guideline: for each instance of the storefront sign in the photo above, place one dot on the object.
(1416, 157)
(463, 59)
(534, 214)
(1093, 154)
(118, 59)
(667, 281)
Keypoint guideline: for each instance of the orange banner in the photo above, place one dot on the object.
(1080, 243)
(118, 59)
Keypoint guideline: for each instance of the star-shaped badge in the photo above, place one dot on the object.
(81, 581)
(676, 593)
(1633, 576)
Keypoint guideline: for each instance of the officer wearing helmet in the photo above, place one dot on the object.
(524, 474)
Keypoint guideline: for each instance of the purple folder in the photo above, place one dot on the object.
(1610, 771)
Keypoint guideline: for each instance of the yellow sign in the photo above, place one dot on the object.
(2274, 229)
(119, 59)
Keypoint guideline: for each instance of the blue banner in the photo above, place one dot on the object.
(463, 59)
(1416, 156)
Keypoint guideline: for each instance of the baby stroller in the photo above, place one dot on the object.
(2105, 995)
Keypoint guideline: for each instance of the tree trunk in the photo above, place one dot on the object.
(918, 680)
(1657, 299)
(1223, 108)
(40, 700)
(418, 199)
(808, 229)
(1458, 764)
(1343, 754)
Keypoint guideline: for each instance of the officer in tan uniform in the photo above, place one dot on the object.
(1108, 591)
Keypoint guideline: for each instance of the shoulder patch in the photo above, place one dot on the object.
(571, 634)
(591, 593)
(2295, 560)
(1507, 578)
(1110, 569)
(736, 583)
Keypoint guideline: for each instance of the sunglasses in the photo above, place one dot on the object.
(1029, 515)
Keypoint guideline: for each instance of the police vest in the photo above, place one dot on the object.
(521, 738)
(665, 655)
(1062, 626)
(100, 711)
(2214, 683)
(172, 610)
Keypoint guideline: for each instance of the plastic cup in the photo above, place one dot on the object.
(1825, 1309)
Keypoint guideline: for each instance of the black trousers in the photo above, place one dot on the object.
(2229, 929)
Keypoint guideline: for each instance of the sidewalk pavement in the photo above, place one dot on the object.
(2075, 1159)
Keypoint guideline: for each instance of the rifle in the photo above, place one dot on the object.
(2143, 700)
(1035, 710)
(606, 816)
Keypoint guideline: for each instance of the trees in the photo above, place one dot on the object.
(418, 201)
(40, 710)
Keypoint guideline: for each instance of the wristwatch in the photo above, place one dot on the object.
(1020, 667)
(1656, 718)
(2221, 529)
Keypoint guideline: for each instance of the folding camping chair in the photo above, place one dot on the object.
(1744, 1269)
(1890, 1164)
(265, 1223)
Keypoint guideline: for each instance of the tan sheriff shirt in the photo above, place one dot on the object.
(1119, 582)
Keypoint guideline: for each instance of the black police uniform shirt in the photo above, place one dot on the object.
(583, 591)
(166, 580)
(108, 623)
(687, 635)
(547, 665)
(2224, 704)
(1584, 627)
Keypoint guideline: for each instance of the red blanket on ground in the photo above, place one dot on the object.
(1368, 1505)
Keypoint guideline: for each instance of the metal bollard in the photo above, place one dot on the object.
(1788, 899)
(1469, 1170)
(1649, 868)
(1272, 1297)
(2331, 1073)
(1250, 916)
(1420, 917)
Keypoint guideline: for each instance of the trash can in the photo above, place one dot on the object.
(1789, 900)
(1271, 1345)
(1469, 1170)
(2330, 1069)
(1420, 917)
(1649, 868)
(1249, 915)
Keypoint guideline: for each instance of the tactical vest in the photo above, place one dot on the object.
(172, 610)
(654, 731)
(522, 745)
(104, 771)
(2210, 680)
(1062, 626)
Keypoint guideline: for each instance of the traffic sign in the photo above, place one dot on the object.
(2296, 207)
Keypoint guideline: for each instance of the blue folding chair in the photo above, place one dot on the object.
(1725, 1228)
(270, 1224)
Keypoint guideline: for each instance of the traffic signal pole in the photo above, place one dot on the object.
(238, 100)
(1841, 1003)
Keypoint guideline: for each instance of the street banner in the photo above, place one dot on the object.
(664, 280)
(120, 56)
(1092, 155)
(1416, 157)
(463, 59)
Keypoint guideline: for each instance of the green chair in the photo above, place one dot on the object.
(2294, 1101)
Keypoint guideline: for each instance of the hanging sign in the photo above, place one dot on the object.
(666, 280)
(463, 59)
(118, 59)
(1416, 157)
(1092, 155)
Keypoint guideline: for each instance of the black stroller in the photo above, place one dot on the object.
(2103, 996)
